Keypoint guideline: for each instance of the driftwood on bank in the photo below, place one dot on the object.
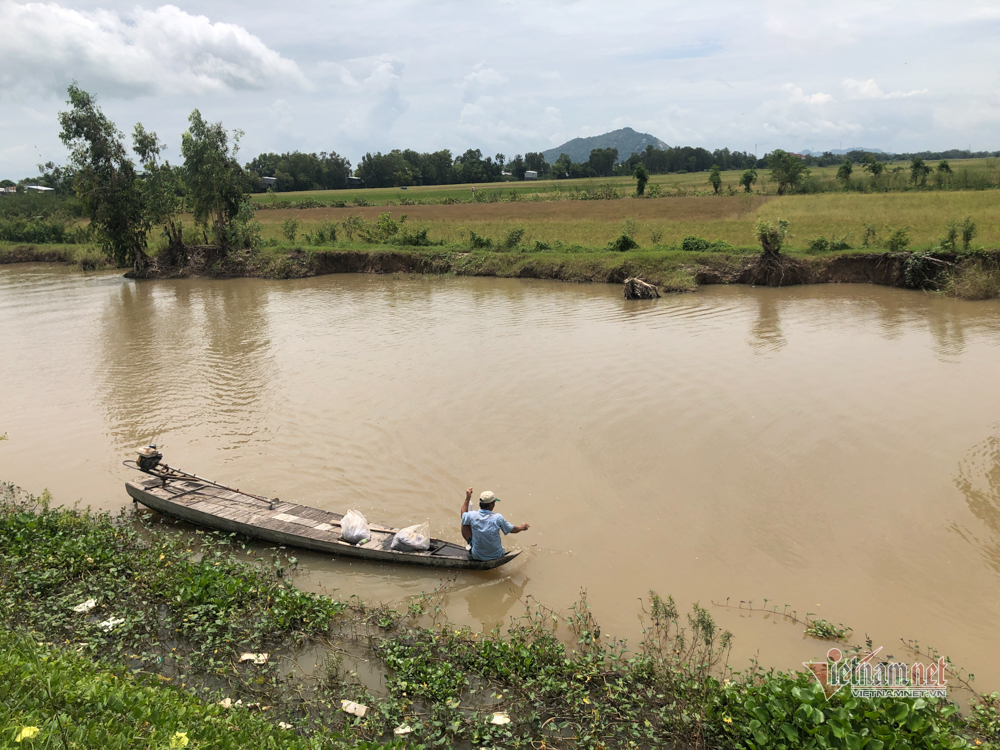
(638, 289)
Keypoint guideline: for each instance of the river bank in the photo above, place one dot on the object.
(132, 609)
(972, 275)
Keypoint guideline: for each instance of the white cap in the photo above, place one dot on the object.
(488, 497)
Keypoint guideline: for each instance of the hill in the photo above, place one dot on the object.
(625, 140)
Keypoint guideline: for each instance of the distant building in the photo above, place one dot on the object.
(531, 175)
(355, 182)
(39, 188)
(269, 182)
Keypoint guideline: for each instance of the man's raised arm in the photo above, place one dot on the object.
(466, 530)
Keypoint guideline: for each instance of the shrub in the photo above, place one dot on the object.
(540, 246)
(290, 228)
(968, 232)
(326, 233)
(513, 238)
(352, 226)
(770, 236)
(416, 239)
(950, 239)
(822, 244)
(694, 244)
(34, 230)
(623, 243)
(479, 243)
(898, 241)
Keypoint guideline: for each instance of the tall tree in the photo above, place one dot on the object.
(641, 178)
(602, 161)
(161, 187)
(787, 169)
(715, 177)
(919, 171)
(535, 161)
(872, 165)
(105, 180)
(214, 178)
(844, 171)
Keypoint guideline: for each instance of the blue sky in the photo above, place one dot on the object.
(508, 76)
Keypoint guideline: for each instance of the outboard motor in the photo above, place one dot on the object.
(149, 458)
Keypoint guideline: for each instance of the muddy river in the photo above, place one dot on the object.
(834, 448)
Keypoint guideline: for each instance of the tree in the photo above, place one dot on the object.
(641, 178)
(873, 166)
(919, 171)
(106, 180)
(787, 169)
(535, 162)
(517, 167)
(215, 180)
(562, 167)
(944, 167)
(748, 178)
(161, 185)
(602, 161)
(844, 172)
(715, 177)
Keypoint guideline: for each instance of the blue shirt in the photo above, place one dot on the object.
(486, 527)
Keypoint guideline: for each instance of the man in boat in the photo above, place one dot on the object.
(483, 528)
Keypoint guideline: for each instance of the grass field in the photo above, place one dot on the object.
(976, 172)
(664, 222)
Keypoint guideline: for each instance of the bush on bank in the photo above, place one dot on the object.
(172, 613)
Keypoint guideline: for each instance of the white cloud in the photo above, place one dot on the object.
(368, 91)
(796, 94)
(161, 51)
(871, 90)
(480, 82)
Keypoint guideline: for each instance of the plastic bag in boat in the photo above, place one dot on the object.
(354, 527)
(413, 538)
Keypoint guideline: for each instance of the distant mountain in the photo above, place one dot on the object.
(626, 140)
(841, 151)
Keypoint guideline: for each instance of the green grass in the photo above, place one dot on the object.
(72, 701)
(664, 222)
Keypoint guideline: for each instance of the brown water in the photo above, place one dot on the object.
(836, 448)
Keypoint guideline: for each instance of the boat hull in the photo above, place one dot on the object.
(210, 505)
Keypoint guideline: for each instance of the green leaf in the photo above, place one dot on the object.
(898, 712)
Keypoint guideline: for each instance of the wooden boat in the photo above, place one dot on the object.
(206, 503)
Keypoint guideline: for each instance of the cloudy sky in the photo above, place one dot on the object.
(508, 76)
